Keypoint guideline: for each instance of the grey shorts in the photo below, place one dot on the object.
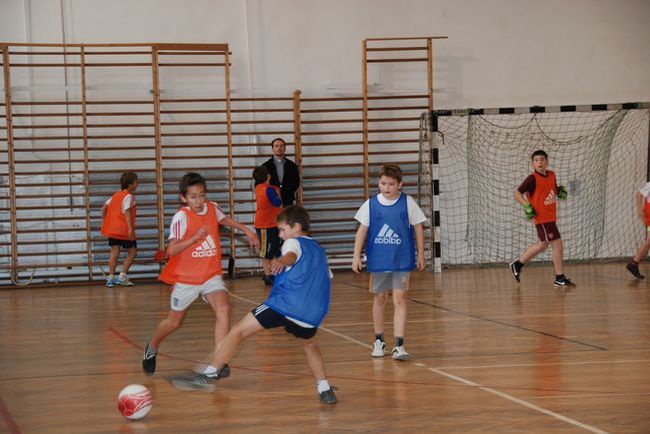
(387, 281)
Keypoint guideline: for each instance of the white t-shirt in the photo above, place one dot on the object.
(127, 202)
(645, 190)
(179, 221)
(416, 216)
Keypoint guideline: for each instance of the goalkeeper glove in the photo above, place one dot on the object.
(562, 192)
(530, 212)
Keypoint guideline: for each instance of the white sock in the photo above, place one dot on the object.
(111, 276)
(209, 370)
(122, 275)
(322, 386)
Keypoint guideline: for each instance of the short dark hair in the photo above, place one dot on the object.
(260, 174)
(293, 214)
(538, 152)
(280, 139)
(190, 179)
(392, 171)
(127, 179)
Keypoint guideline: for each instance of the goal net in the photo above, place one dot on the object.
(600, 156)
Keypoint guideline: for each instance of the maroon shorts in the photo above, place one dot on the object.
(547, 232)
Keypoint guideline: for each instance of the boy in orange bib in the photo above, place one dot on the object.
(194, 267)
(537, 195)
(118, 226)
(643, 209)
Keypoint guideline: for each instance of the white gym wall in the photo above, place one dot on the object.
(499, 52)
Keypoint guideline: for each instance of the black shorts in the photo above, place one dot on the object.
(270, 319)
(269, 242)
(125, 244)
(547, 232)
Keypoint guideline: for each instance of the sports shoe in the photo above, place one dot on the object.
(110, 283)
(221, 373)
(328, 396)
(193, 382)
(268, 280)
(634, 269)
(149, 360)
(123, 282)
(378, 348)
(399, 353)
(515, 270)
(563, 282)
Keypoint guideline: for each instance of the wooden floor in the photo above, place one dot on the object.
(489, 357)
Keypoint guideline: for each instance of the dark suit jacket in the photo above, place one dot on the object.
(290, 181)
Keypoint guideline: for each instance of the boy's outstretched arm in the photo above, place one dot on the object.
(359, 240)
(252, 236)
(419, 241)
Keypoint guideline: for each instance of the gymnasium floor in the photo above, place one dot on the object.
(488, 357)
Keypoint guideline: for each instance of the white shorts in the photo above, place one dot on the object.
(183, 294)
(387, 281)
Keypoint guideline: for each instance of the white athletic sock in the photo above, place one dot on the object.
(322, 386)
(122, 275)
(209, 370)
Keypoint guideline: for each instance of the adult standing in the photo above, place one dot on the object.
(284, 172)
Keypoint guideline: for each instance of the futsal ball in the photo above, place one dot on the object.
(134, 401)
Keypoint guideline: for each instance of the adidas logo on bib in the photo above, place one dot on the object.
(387, 236)
(206, 249)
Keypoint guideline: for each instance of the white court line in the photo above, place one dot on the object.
(468, 382)
(522, 365)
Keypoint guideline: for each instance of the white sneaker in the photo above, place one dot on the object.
(378, 348)
(399, 353)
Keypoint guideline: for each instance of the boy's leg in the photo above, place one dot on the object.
(400, 310)
(314, 358)
(231, 344)
(533, 251)
(112, 263)
(633, 265)
(557, 255)
(167, 326)
(130, 257)
(221, 306)
(317, 367)
(643, 251)
(399, 324)
(378, 308)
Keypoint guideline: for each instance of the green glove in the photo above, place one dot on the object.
(562, 192)
(530, 212)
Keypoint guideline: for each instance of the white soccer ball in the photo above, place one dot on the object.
(134, 401)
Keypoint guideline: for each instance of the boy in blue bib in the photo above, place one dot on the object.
(388, 222)
(298, 302)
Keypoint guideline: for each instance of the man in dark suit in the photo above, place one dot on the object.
(284, 172)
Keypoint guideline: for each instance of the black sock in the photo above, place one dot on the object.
(379, 336)
(559, 276)
(633, 262)
(399, 342)
(519, 264)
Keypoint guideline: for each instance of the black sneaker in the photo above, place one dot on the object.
(634, 269)
(268, 280)
(149, 360)
(193, 382)
(515, 269)
(563, 282)
(327, 397)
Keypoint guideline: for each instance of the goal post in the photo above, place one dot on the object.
(600, 152)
